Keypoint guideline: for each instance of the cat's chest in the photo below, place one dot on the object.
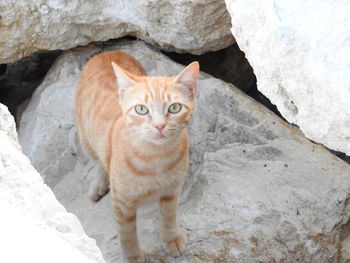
(156, 166)
(141, 179)
(163, 182)
(158, 172)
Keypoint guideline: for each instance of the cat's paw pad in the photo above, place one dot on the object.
(176, 246)
(141, 258)
(98, 188)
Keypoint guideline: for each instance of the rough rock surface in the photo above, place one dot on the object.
(258, 191)
(34, 227)
(300, 53)
(184, 25)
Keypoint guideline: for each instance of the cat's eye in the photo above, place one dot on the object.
(141, 109)
(174, 108)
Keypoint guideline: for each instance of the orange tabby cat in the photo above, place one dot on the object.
(135, 126)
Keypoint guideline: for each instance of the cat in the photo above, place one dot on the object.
(135, 127)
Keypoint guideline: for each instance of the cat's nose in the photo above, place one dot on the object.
(160, 127)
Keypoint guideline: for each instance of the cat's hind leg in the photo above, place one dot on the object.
(100, 184)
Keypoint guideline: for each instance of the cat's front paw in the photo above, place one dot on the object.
(176, 246)
(141, 258)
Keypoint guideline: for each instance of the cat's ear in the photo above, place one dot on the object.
(123, 78)
(188, 78)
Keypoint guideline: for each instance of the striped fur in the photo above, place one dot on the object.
(140, 156)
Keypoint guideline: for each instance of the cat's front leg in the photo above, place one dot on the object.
(126, 221)
(174, 239)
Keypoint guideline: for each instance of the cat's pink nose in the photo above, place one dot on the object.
(160, 127)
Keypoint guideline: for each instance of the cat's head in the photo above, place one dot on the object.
(157, 108)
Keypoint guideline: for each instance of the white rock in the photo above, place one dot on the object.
(34, 226)
(184, 25)
(258, 190)
(300, 53)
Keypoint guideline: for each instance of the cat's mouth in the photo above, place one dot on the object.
(160, 136)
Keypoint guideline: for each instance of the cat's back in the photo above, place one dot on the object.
(97, 87)
(98, 71)
(97, 105)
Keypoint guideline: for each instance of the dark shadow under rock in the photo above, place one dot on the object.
(20, 79)
(3, 68)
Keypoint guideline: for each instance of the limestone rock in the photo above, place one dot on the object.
(300, 53)
(257, 190)
(34, 227)
(185, 25)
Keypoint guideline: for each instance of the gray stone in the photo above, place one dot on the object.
(257, 191)
(183, 25)
(34, 227)
(300, 54)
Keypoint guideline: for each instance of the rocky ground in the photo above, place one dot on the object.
(257, 190)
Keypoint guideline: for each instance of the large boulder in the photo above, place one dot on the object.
(35, 227)
(300, 53)
(184, 25)
(257, 190)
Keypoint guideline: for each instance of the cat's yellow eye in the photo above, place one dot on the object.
(174, 108)
(141, 109)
